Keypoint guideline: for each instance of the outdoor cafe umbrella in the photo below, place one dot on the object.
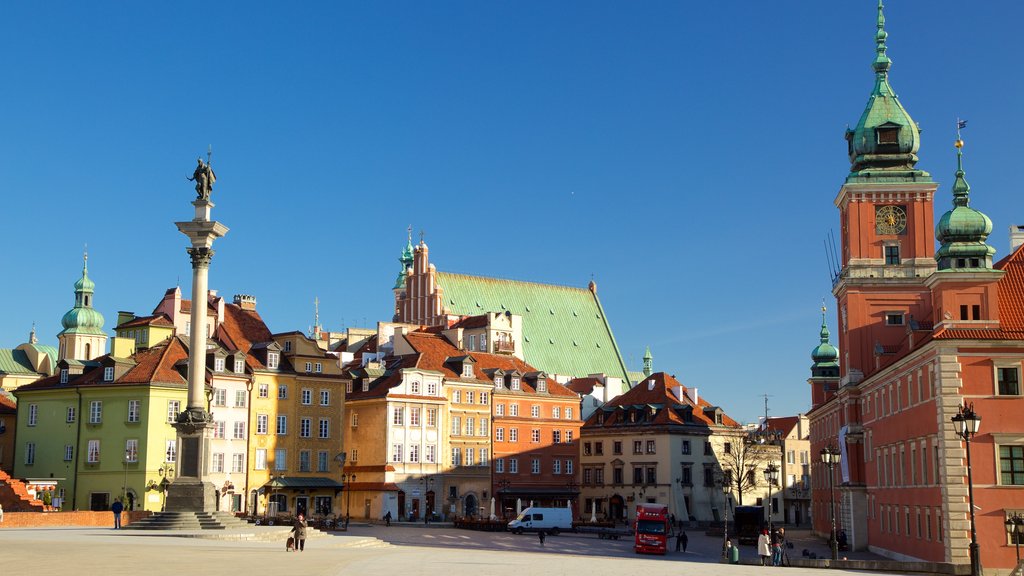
(519, 506)
(593, 510)
(493, 517)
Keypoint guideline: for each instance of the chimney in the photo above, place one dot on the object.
(1016, 236)
(692, 393)
(245, 301)
(677, 391)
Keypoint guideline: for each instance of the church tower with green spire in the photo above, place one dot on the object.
(82, 337)
(824, 378)
(648, 363)
(887, 220)
(965, 289)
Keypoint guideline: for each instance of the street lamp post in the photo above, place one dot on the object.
(771, 475)
(726, 492)
(503, 486)
(1015, 528)
(124, 487)
(571, 488)
(966, 424)
(428, 486)
(831, 456)
(351, 479)
(165, 471)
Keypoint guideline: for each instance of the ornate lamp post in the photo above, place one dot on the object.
(165, 471)
(771, 475)
(1015, 528)
(350, 479)
(570, 486)
(966, 424)
(831, 456)
(428, 485)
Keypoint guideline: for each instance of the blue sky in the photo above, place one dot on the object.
(685, 154)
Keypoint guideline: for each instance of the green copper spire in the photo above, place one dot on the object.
(824, 354)
(406, 259)
(648, 362)
(83, 318)
(963, 230)
(883, 146)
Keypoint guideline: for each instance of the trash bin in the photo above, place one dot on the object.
(734, 555)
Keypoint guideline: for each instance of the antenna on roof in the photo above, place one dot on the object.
(766, 396)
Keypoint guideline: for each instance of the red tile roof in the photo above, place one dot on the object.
(434, 350)
(583, 386)
(154, 320)
(471, 322)
(660, 394)
(157, 364)
(7, 405)
(241, 329)
(783, 424)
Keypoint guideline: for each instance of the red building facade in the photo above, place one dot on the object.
(921, 332)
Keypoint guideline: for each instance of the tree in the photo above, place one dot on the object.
(743, 460)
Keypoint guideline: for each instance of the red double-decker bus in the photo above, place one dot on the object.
(651, 529)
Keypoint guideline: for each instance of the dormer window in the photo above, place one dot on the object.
(288, 346)
(888, 135)
(63, 375)
(239, 366)
(218, 364)
(108, 374)
(366, 385)
(542, 385)
(497, 381)
(414, 387)
(515, 383)
(467, 370)
(272, 359)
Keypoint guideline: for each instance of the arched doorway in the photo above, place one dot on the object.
(401, 504)
(471, 506)
(616, 508)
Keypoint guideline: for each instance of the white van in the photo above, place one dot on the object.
(536, 519)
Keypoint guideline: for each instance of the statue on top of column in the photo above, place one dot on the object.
(204, 178)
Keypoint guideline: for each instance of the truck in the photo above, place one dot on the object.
(748, 523)
(651, 529)
(537, 519)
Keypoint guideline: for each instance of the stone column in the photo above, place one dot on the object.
(188, 492)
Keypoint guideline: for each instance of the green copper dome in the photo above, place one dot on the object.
(824, 354)
(83, 318)
(884, 144)
(963, 230)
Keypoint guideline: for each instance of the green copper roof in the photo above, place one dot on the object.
(963, 230)
(824, 354)
(564, 329)
(15, 362)
(406, 260)
(83, 318)
(883, 146)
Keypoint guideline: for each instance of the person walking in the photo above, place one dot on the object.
(764, 547)
(679, 542)
(387, 518)
(540, 535)
(299, 528)
(117, 508)
(684, 539)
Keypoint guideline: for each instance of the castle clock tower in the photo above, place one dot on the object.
(886, 214)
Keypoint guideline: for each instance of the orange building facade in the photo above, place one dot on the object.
(921, 333)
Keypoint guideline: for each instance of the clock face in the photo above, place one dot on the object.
(890, 219)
